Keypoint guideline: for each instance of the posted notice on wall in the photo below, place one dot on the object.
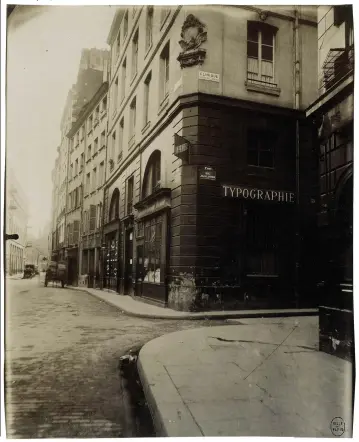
(209, 76)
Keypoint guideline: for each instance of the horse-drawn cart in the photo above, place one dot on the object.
(56, 272)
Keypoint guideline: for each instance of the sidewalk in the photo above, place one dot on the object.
(260, 377)
(132, 307)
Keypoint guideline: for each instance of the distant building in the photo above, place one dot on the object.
(87, 141)
(93, 63)
(16, 222)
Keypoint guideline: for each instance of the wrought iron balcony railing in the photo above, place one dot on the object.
(337, 65)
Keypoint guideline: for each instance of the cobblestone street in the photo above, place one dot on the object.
(62, 353)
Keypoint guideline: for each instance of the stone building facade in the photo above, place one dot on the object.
(201, 196)
(332, 115)
(16, 222)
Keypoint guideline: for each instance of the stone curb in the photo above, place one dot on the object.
(170, 416)
(212, 315)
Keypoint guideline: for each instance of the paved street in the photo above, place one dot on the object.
(62, 353)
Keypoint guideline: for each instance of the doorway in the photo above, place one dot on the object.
(128, 261)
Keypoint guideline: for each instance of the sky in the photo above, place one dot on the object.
(44, 46)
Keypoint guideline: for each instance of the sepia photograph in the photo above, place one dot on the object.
(177, 220)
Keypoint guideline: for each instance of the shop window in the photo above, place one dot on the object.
(261, 238)
(260, 54)
(152, 250)
(261, 148)
(152, 177)
(115, 205)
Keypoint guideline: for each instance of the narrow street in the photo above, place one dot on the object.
(62, 361)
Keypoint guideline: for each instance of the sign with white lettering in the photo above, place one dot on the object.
(181, 147)
(258, 194)
(209, 76)
(207, 173)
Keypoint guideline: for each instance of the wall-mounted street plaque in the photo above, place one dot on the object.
(209, 76)
(250, 193)
(207, 173)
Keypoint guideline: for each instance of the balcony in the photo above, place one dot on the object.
(337, 66)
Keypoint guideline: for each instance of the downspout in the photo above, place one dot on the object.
(297, 97)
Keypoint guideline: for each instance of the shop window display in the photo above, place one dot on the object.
(152, 250)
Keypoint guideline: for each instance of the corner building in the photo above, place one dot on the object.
(201, 195)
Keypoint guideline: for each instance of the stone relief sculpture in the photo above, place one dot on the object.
(193, 35)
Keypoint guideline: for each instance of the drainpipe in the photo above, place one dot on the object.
(297, 86)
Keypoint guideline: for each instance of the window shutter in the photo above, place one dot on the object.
(92, 217)
(76, 229)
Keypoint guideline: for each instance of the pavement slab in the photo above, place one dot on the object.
(256, 378)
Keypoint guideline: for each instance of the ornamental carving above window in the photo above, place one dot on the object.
(193, 35)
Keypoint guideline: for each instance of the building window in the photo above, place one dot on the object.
(90, 123)
(149, 27)
(76, 166)
(71, 171)
(260, 148)
(113, 152)
(118, 44)
(164, 14)
(132, 128)
(115, 94)
(146, 99)
(89, 148)
(103, 139)
(95, 146)
(123, 80)
(82, 132)
(134, 54)
(82, 162)
(130, 182)
(125, 25)
(102, 174)
(152, 250)
(114, 212)
(152, 177)
(120, 140)
(104, 105)
(94, 179)
(165, 71)
(97, 116)
(260, 54)
(87, 188)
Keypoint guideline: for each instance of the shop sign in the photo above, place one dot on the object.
(209, 76)
(250, 193)
(207, 173)
(181, 147)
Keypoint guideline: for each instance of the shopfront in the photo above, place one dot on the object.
(152, 246)
(258, 245)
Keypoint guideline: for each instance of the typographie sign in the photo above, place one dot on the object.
(250, 193)
(209, 76)
(207, 173)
